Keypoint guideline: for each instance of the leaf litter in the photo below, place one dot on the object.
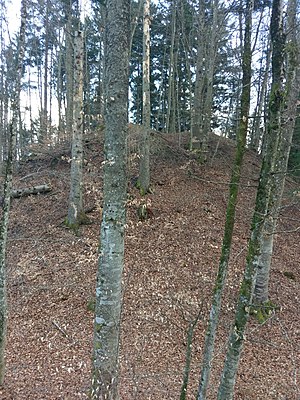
(171, 260)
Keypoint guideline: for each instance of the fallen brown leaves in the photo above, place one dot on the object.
(171, 263)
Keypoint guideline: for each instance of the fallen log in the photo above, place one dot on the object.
(40, 189)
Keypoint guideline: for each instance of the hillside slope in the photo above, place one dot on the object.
(171, 263)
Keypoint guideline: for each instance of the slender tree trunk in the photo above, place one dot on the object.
(188, 357)
(49, 120)
(144, 174)
(8, 187)
(186, 49)
(210, 73)
(280, 165)
(256, 135)
(102, 50)
(75, 212)
(3, 241)
(59, 89)
(238, 88)
(2, 125)
(134, 21)
(160, 119)
(44, 111)
(5, 119)
(175, 116)
(69, 74)
(197, 113)
(30, 139)
(263, 198)
(87, 92)
(111, 258)
(171, 77)
(2, 81)
(40, 91)
(230, 213)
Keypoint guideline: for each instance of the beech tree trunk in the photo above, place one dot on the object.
(59, 88)
(230, 213)
(196, 123)
(144, 173)
(287, 125)
(213, 37)
(186, 49)
(170, 122)
(2, 82)
(40, 189)
(75, 212)
(69, 72)
(256, 134)
(44, 111)
(7, 187)
(263, 198)
(111, 257)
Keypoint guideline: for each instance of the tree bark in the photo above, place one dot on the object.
(134, 21)
(69, 73)
(7, 188)
(44, 111)
(75, 211)
(111, 257)
(196, 125)
(256, 135)
(230, 213)
(40, 189)
(144, 173)
(287, 124)
(187, 52)
(170, 124)
(263, 198)
(59, 87)
(2, 82)
(214, 34)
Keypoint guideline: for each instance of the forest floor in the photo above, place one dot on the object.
(171, 261)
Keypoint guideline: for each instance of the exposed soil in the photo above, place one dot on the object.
(171, 264)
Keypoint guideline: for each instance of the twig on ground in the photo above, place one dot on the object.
(61, 330)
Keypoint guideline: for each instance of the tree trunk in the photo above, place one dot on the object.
(69, 74)
(5, 121)
(2, 81)
(196, 125)
(75, 211)
(44, 112)
(256, 135)
(263, 198)
(3, 241)
(171, 77)
(111, 258)
(187, 53)
(134, 21)
(188, 356)
(39, 189)
(287, 125)
(59, 87)
(144, 174)
(7, 188)
(230, 213)
(213, 39)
